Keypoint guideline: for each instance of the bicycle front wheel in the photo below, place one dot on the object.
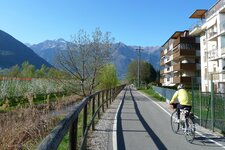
(174, 122)
(190, 133)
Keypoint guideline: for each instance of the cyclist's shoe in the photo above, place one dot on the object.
(177, 120)
(187, 131)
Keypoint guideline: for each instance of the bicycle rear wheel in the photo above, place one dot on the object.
(190, 133)
(174, 122)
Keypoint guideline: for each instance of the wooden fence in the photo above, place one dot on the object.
(70, 122)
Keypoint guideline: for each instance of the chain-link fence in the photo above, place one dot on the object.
(164, 92)
(208, 104)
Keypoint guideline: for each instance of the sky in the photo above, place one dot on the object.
(133, 22)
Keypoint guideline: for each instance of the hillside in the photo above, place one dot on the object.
(14, 52)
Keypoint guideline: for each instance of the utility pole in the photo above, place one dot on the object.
(139, 58)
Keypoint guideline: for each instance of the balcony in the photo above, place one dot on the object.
(222, 50)
(166, 46)
(222, 27)
(195, 29)
(183, 40)
(216, 77)
(162, 53)
(162, 63)
(162, 71)
(215, 8)
(213, 55)
(223, 77)
(168, 70)
(212, 36)
(168, 59)
(185, 80)
(180, 53)
(198, 66)
(198, 53)
(186, 66)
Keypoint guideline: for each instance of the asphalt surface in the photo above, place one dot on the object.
(144, 124)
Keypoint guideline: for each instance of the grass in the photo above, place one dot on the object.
(23, 102)
(65, 142)
(150, 92)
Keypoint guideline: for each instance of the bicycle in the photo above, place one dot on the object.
(186, 122)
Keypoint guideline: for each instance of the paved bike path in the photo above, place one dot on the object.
(143, 125)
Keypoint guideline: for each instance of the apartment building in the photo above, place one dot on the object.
(180, 59)
(211, 30)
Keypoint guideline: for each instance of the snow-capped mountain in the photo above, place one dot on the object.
(121, 57)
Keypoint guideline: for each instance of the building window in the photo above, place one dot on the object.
(205, 57)
(197, 60)
(197, 73)
(214, 68)
(206, 88)
(204, 42)
(206, 70)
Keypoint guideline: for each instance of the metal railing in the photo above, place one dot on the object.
(213, 54)
(196, 25)
(208, 107)
(70, 122)
(219, 4)
(212, 34)
(222, 26)
(222, 50)
(164, 92)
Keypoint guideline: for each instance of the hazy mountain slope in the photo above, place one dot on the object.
(123, 56)
(14, 52)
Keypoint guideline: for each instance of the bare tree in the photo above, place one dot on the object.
(84, 57)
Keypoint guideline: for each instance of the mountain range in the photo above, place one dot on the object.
(121, 57)
(14, 52)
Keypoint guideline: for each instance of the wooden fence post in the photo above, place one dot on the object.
(107, 92)
(85, 118)
(99, 105)
(93, 112)
(103, 101)
(73, 135)
(110, 95)
(113, 94)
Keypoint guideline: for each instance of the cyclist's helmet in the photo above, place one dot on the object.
(180, 86)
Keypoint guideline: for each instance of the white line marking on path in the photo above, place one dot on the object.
(115, 128)
(170, 115)
(210, 139)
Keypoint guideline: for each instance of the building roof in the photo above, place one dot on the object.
(175, 35)
(199, 13)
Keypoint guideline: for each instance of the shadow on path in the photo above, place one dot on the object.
(119, 133)
(159, 144)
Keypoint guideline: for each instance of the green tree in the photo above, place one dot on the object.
(147, 72)
(28, 70)
(107, 77)
(57, 74)
(14, 71)
(42, 72)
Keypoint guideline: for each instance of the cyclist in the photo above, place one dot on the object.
(184, 101)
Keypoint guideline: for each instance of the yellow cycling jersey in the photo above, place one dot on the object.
(182, 96)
